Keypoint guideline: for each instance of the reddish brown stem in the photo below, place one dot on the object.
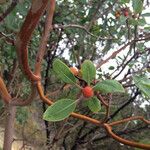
(124, 141)
(129, 119)
(45, 36)
(24, 36)
(102, 100)
(21, 102)
(3, 91)
(113, 55)
(99, 96)
(7, 39)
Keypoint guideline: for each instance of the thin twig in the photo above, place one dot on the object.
(58, 26)
(45, 36)
(124, 105)
(8, 40)
(9, 10)
(20, 102)
(113, 55)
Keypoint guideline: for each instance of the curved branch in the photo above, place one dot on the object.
(123, 132)
(3, 91)
(7, 39)
(45, 36)
(41, 93)
(129, 119)
(24, 36)
(20, 102)
(99, 96)
(59, 26)
(124, 141)
(113, 55)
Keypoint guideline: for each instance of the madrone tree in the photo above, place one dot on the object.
(83, 66)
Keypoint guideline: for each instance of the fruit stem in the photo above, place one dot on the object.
(78, 86)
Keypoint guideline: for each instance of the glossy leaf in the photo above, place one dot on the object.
(59, 110)
(88, 71)
(63, 72)
(143, 83)
(94, 104)
(109, 86)
(137, 6)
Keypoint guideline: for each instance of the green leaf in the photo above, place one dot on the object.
(147, 28)
(137, 6)
(142, 22)
(133, 22)
(109, 86)
(59, 110)
(146, 15)
(94, 104)
(111, 68)
(141, 47)
(125, 1)
(88, 71)
(143, 83)
(10, 21)
(22, 115)
(63, 72)
(83, 1)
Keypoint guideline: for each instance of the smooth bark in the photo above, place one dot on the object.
(9, 127)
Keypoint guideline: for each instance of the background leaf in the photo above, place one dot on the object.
(94, 104)
(109, 86)
(59, 110)
(143, 83)
(63, 72)
(146, 15)
(137, 6)
(125, 1)
(88, 71)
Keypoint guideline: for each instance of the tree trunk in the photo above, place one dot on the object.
(9, 127)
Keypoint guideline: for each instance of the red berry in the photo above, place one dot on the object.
(126, 13)
(87, 91)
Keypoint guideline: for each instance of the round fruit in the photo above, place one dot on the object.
(126, 13)
(117, 14)
(74, 70)
(87, 91)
